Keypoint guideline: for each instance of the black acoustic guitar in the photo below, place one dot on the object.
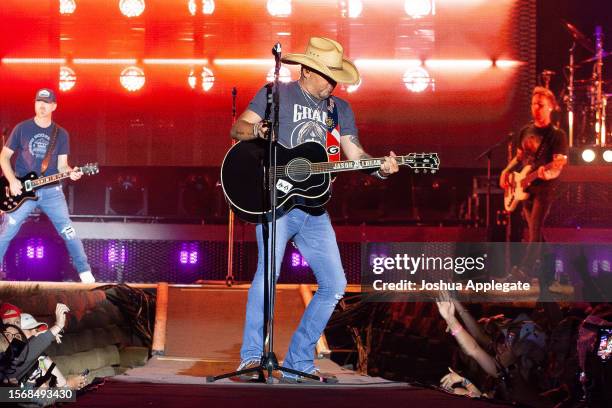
(30, 182)
(304, 176)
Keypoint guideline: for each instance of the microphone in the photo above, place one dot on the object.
(276, 50)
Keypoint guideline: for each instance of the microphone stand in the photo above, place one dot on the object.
(269, 362)
(487, 153)
(229, 278)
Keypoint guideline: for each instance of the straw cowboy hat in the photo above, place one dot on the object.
(326, 56)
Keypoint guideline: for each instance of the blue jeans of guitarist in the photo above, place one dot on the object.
(316, 240)
(52, 202)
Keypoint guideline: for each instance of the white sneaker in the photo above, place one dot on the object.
(87, 277)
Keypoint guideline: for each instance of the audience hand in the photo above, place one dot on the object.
(60, 315)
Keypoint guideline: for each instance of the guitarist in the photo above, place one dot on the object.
(544, 147)
(307, 112)
(29, 142)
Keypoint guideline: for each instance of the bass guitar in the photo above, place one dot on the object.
(304, 176)
(518, 183)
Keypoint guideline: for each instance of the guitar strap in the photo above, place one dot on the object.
(332, 144)
(268, 112)
(50, 148)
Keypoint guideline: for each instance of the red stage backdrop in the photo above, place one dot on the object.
(451, 76)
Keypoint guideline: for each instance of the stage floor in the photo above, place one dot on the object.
(181, 382)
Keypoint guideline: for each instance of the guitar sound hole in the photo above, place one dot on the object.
(298, 169)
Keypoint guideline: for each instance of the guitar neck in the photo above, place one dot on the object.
(350, 165)
(49, 179)
(530, 178)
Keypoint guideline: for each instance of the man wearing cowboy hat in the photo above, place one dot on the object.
(307, 112)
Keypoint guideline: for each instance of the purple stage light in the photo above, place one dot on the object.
(184, 257)
(35, 249)
(297, 260)
(116, 253)
(189, 254)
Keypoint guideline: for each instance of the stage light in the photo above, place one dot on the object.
(279, 8)
(116, 253)
(67, 6)
(67, 79)
(131, 8)
(132, 78)
(417, 79)
(507, 63)
(175, 61)
(607, 156)
(459, 64)
(387, 63)
(419, 8)
(34, 61)
(241, 61)
(284, 75)
(297, 260)
(208, 7)
(104, 61)
(354, 9)
(354, 87)
(35, 249)
(189, 254)
(208, 79)
(184, 257)
(588, 155)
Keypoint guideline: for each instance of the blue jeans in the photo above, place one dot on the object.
(52, 202)
(316, 240)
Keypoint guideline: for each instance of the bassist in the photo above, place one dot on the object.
(544, 148)
(40, 145)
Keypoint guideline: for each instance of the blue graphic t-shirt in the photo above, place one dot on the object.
(30, 141)
(302, 117)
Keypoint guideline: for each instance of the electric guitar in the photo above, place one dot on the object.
(303, 176)
(30, 182)
(518, 182)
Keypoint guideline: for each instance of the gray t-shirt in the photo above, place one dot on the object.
(302, 118)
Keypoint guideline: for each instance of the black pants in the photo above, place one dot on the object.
(535, 211)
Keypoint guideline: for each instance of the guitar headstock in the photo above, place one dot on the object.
(89, 169)
(427, 162)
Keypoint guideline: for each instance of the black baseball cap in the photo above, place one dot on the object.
(46, 95)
